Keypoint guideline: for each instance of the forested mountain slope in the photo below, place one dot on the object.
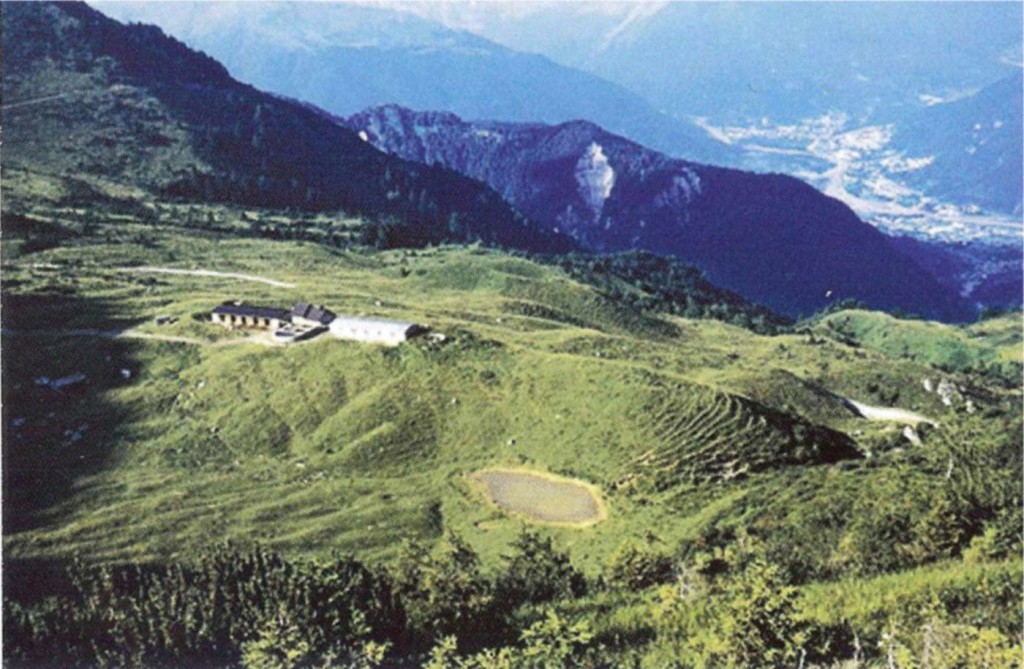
(772, 238)
(87, 96)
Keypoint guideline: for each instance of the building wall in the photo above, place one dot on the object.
(371, 334)
(232, 321)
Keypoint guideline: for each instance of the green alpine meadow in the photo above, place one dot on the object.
(280, 395)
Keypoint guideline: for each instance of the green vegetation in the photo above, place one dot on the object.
(992, 348)
(749, 515)
(210, 611)
(667, 285)
(744, 497)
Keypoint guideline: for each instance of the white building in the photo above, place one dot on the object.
(373, 330)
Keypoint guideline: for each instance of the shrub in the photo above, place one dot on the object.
(226, 607)
(537, 573)
(756, 625)
(546, 644)
(633, 567)
(444, 593)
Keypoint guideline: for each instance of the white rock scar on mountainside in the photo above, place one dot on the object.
(595, 177)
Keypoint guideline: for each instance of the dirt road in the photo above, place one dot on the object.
(35, 101)
(209, 273)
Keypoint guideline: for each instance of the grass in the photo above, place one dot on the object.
(339, 446)
(866, 602)
(1004, 333)
(994, 344)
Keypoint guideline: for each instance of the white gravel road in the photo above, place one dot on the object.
(209, 273)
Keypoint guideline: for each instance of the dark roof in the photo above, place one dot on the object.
(311, 312)
(237, 309)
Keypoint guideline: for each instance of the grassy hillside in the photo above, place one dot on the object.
(238, 416)
(583, 386)
(706, 441)
(994, 346)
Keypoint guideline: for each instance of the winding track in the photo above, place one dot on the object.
(208, 273)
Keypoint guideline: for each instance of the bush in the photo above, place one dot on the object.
(445, 594)
(278, 645)
(632, 567)
(229, 604)
(548, 643)
(537, 573)
(756, 625)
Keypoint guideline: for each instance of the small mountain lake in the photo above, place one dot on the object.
(542, 497)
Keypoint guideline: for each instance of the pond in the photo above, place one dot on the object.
(542, 497)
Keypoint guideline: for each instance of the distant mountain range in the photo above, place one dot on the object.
(345, 57)
(772, 238)
(739, 62)
(85, 95)
(973, 145)
(989, 276)
(784, 82)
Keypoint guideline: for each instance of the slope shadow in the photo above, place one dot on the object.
(58, 418)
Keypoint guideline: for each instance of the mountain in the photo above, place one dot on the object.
(747, 73)
(344, 58)
(973, 145)
(86, 96)
(791, 86)
(771, 238)
(738, 62)
(990, 275)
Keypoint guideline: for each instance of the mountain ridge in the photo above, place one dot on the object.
(344, 58)
(742, 229)
(144, 109)
(973, 145)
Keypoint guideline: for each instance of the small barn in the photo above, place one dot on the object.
(239, 315)
(373, 330)
(312, 315)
